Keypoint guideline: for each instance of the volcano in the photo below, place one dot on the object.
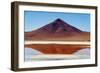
(58, 30)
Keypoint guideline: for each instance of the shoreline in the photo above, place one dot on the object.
(58, 42)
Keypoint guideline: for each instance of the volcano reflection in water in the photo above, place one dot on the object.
(35, 55)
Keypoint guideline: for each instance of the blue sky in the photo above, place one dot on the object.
(36, 19)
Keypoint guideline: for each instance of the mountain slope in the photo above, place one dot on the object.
(57, 30)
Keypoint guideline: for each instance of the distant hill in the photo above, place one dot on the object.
(58, 30)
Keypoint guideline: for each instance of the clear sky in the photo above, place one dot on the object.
(37, 19)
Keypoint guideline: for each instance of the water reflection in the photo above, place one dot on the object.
(32, 54)
(29, 53)
(84, 51)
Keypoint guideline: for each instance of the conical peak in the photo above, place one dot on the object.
(58, 25)
(57, 20)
